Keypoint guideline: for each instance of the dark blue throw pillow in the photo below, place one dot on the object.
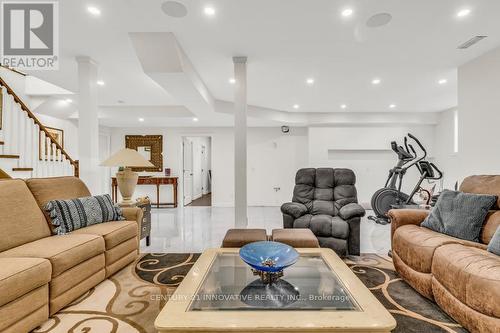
(459, 214)
(73, 214)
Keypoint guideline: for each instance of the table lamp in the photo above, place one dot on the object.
(126, 179)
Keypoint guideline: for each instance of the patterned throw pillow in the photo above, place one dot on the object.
(73, 214)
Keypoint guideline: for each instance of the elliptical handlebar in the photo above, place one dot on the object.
(418, 143)
(415, 160)
(440, 173)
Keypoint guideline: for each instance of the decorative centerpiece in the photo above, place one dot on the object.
(268, 259)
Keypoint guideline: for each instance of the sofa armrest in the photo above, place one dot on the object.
(294, 209)
(400, 217)
(351, 210)
(134, 214)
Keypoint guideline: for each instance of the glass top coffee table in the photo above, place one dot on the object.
(318, 293)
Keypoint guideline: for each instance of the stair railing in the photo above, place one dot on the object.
(50, 139)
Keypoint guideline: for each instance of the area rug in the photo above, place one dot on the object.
(131, 299)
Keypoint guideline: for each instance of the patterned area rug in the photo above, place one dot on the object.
(132, 298)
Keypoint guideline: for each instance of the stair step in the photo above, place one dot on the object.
(22, 169)
(9, 156)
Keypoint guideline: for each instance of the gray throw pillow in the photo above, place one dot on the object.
(73, 214)
(459, 214)
(494, 245)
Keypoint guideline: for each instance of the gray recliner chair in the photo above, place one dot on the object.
(325, 201)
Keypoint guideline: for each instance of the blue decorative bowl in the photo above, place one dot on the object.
(269, 257)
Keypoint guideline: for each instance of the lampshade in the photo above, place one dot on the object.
(127, 158)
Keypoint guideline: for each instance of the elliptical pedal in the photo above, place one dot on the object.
(379, 220)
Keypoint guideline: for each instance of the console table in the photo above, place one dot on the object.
(154, 180)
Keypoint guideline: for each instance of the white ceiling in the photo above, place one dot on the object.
(286, 41)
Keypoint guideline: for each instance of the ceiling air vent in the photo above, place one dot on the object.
(471, 42)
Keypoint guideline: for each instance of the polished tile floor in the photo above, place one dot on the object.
(194, 229)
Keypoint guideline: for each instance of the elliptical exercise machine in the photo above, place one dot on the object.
(390, 196)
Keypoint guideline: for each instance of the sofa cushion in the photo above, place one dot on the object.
(56, 188)
(323, 207)
(26, 312)
(484, 184)
(63, 251)
(114, 233)
(324, 190)
(73, 214)
(460, 214)
(19, 276)
(471, 275)
(415, 245)
(329, 226)
(294, 209)
(16, 198)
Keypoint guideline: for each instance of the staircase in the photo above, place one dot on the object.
(26, 147)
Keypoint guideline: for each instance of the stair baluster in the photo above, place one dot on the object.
(35, 130)
(7, 125)
(24, 135)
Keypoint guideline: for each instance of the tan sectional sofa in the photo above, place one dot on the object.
(40, 273)
(460, 276)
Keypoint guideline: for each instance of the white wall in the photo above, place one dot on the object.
(446, 158)
(478, 119)
(273, 158)
(367, 151)
(479, 115)
(70, 129)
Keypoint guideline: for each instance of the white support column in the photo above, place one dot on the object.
(240, 142)
(88, 124)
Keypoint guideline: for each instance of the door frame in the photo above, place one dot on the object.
(186, 135)
(184, 141)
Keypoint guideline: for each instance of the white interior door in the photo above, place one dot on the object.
(187, 148)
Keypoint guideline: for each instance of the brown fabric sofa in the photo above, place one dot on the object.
(40, 272)
(460, 276)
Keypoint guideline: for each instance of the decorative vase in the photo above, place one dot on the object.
(126, 181)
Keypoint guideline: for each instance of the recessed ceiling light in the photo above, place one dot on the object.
(296, 106)
(310, 81)
(442, 81)
(232, 80)
(209, 11)
(94, 10)
(100, 83)
(343, 106)
(69, 100)
(141, 119)
(463, 12)
(347, 12)
(195, 119)
(376, 81)
(392, 106)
